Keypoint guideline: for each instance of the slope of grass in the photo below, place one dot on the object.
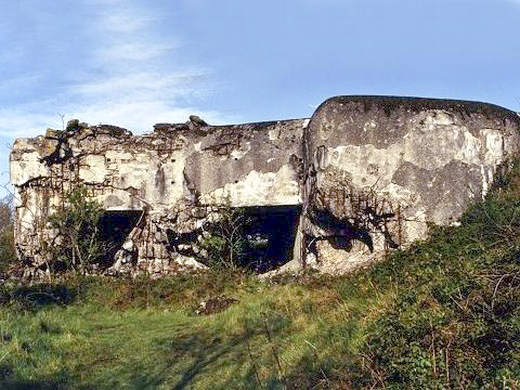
(443, 314)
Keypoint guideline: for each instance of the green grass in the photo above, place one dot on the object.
(444, 313)
(255, 343)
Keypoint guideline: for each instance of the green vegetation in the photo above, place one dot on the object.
(225, 240)
(7, 250)
(79, 245)
(443, 314)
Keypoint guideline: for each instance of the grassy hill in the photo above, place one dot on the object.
(444, 313)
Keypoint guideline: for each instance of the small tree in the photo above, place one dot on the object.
(7, 248)
(78, 244)
(225, 239)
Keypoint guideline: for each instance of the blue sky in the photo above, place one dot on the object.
(133, 63)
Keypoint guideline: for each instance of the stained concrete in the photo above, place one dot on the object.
(388, 166)
(178, 175)
(367, 173)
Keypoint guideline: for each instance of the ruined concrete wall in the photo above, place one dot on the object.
(176, 175)
(366, 174)
(379, 169)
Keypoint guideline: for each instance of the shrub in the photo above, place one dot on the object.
(225, 240)
(7, 248)
(78, 244)
(453, 322)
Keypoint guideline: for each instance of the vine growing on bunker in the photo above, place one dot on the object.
(77, 244)
(356, 214)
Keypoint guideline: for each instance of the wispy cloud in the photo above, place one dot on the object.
(126, 22)
(139, 85)
(132, 51)
(24, 120)
(120, 72)
(127, 74)
(141, 80)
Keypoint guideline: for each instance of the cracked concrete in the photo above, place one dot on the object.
(388, 166)
(176, 174)
(367, 175)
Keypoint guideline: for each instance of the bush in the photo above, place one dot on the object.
(78, 244)
(453, 322)
(7, 248)
(225, 240)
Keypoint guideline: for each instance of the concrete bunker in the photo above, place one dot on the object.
(364, 175)
(378, 170)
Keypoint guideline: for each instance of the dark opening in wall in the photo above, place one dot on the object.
(256, 238)
(181, 242)
(271, 236)
(114, 228)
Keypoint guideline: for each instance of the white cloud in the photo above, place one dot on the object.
(126, 22)
(26, 120)
(136, 116)
(129, 76)
(132, 51)
(139, 85)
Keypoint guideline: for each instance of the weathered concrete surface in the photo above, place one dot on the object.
(368, 172)
(177, 176)
(378, 169)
